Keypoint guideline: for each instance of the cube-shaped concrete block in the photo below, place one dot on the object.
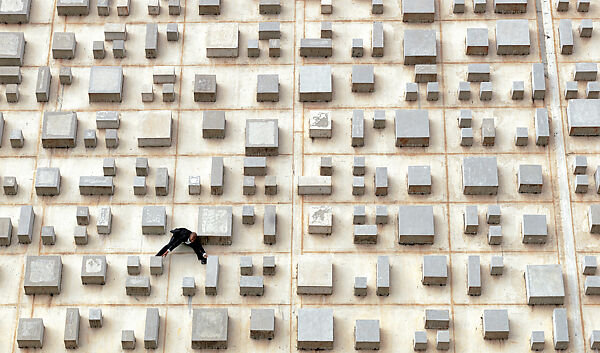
(315, 329)
(412, 128)
(363, 78)
(95, 317)
(589, 265)
(134, 266)
(315, 83)
(418, 10)
(262, 137)
(154, 220)
(581, 184)
(477, 42)
(320, 220)
(437, 319)
(435, 270)
(138, 285)
(537, 341)
(420, 341)
(367, 335)
(188, 286)
(480, 176)
(215, 225)
(210, 328)
(93, 269)
(420, 46)
(269, 265)
(544, 285)
(48, 235)
(14, 48)
(495, 324)
(419, 180)
(443, 338)
(43, 275)
(530, 179)
(30, 333)
(9, 185)
(262, 323)
(534, 229)
(521, 136)
(80, 235)
(315, 275)
(127, 339)
(586, 27)
(156, 265)
(251, 285)
(415, 225)
(360, 286)
(512, 37)
(496, 265)
(63, 45)
(494, 235)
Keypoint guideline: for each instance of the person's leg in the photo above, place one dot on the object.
(199, 252)
(164, 248)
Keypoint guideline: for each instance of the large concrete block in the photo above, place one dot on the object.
(138, 285)
(544, 285)
(315, 275)
(107, 120)
(251, 285)
(315, 329)
(25, 225)
(420, 46)
(10, 74)
(96, 185)
(320, 220)
(72, 319)
(63, 45)
(152, 328)
(510, 6)
(154, 220)
(30, 333)
(495, 324)
(363, 78)
(15, 11)
(59, 129)
(418, 179)
(210, 328)
(412, 128)
(215, 225)
(316, 47)
(435, 270)
(93, 269)
(477, 42)
(529, 178)
(315, 83)
(262, 137)
(512, 37)
(222, 40)
(73, 7)
(13, 48)
(47, 181)
(418, 10)
(106, 84)
(367, 335)
(583, 117)
(534, 229)
(262, 323)
(267, 88)
(155, 129)
(213, 124)
(480, 175)
(205, 88)
(43, 275)
(415, 225)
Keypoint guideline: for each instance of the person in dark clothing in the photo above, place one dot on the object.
(187, 237)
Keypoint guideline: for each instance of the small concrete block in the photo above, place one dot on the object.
(161, 184)
(359, 214)
(425, 73)
(443, 339)
(209, 7)
(106, 83)
(496, 265)
(480, 175)
(437, 319)
(363, 78)
(493, 214)
(433, 91)
(326, 167)
(270, 185)
(360, 286)
(188, 286)
(63, 45)
(12, 93)
(25, 225)
(594, 219)
(168, 92)
(562, 5)
(154, 7)
(42, 86)
(262, 323)
(30, 333)
(537, 341)
(104, 220)
(315, 329)
(247, 214)
(326, 7)
(270, 225)
(466, 137)
(209, 328)
(13, 48)
(377, 37)
(379, 119)
(320, 124)
(583, 5)
(420, 341)
(83, 215)
(560, 329)
(435, 270)
(174, 7)
(586, 27)
(565, 36)
(118, 49)
(529, 178)
(464, 90)
(315, 275)
(592, 90)
(381, 214)
(320, 220)
(471, 219)
(589, 265)
(80, 235)
(42, 275)
(571, 90)
(581, 184)
(358, 166)
(47, 181)
(16, 138)
(485, 91)
(123, 7)
(255, 166)
(544, 285)
(127, 339)
(154, 220)
(253, 49)
(534, 229)
(465, 118)
(411, 91)
(156, 265)
(269, 265)
(358, 185)
(48, 235)
(139, 185)
(215, 224)
(269, 7)
(415, 225)
(59, 129)
(420, 46)
(134, 266)
(152, 328)
(512, 37)
(315, 83)
(9, 185)
(172, 32)
(477, 41)
(538, 81)
(95, 317)
(585, 71)
(141, 166)
(521, 136)
(246, 266)
(592, 285)
(380, 179)
(109, 168)
(412, 128)
(222, 40)
(71, 337)
(478, 72)
(495, 324)
(248, 185)
(262, 137)
(367, 335)
(251, 285)
(65, 76)
(326, 29)
(419, 180)
(418, 10)
(93, 269)
(89, 138)
(542, 127)
(595, 339)
(517, 92)
(473, 275)
(267, 88)
(479, 6)
(365, 234)
(138, 285)
(494, 235)
(357, 48)
(274, 52)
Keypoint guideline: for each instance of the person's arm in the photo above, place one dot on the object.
(175, 242)
(163, 250)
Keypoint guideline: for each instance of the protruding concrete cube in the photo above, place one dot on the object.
(251, 285)
(209, 328)
(109, 167)
(209, 7)
(93, 269)
(363, 78)
(420, 341)
(320, 220)
(477, 41)
(138, 285)
(315, 83)
(473, 275)
(247, 214)
(152, 328)
(316, 47)
(512, 37)
(517, 92)
(127, 339)
(443, 338)
(359, 214)
(592, 90)
(479, 6)
(594, 219)
(377, 39)
(213, 124)
(589, 265)
(30, 333)
(595, 339)
(381, 214)
(48, 235)
(493, 214)
(16, 138)
(571, 90)
(43, 275)
(419, 180)
(366, 335)
(360, 286)
(65, 76)
(80, 235)
(544, 284)
(437, 319)
(13, 48)
(418, 10)
(42, 86)
(383, 276)
(269, 265)
(565, 36)
(89, 138)
(585, 71)
(262, 137)
(537, 341)
(357, 48)
(420, 46)
(73, 7)
(435, 270)
(156, 265)
(583, 5)
(380, 181)
(134, 266)
(139, 185)
(25, 227)
(15, 11)
(529, 178)
(270, 225)
(581, 184)
(586, 27)
(188, 286)
(267, 88)
(485, 91)
(315, 329)
(269, 7)
(222, 40)
(59, 129)
(411, 91)
(494, 235)
(412, 128)
(118, 49)
(106, 84)
(262, 323)
(215, 225)
(495, 324)
(326, 167)
(534, 229)
(315, 275)
(9, 185)
(478, 72)
(471, 219)
(95, 317)
(161, 184)
(415, 225)
(480, 176)
(71, 337)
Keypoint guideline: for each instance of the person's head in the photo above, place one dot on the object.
(193, 236)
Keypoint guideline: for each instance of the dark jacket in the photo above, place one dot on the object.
(180, 236)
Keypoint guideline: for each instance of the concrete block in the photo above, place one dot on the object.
(43, 275)
(115, 31)
(437, 319)
(217, 175)
(269, 265)
(211, 281)
(138, 285)
(98, 50)
(367, 335)
(359, 214)
(205, 88)
(581, 184)
(473, 275)
(174, 7)
(495, 235)
(247, 214)
(188, 286)
(16, 138)
(73, 7)
(15, 11)
(9, 185)
(465, 118)
(215, 225)
(360, 286)
(262, 323)
(71, 336)
(485, 91)
(251, 285)
(589, 265)
(63, 45)
(269, 7)
(595, 339)
(544, 284)
(583, 117)
(419, 180)
(80, 235)
(521, 136)
(415, 225)
(270, 225)
(154, 7)
(478, 72)
(592, 285)
(326, 167)
(315, 329)
(411, 91)
(466, 136)
(42, 86)
(363, 78)
(542, 127)
(151, 44)
(123, 7)
(357, 48)
(315, 275)
(538, 81)
(471, 219)
(326, 29)
(537, 341)
(435, 270)
(464, 90)
(109, 167)
(586, 27)
(93, 269)
(510, 6)
(512, 37)
(495, 324)
(381, 214)
(105, 84)
(412, 128)
(562, 5)
(30, 333)
(358, 166)
(104, 220)
(222, 40)
(59, 129)
(127, 339)
(141, 166)
(517, 91)
(95, 317)
(571, 90)
(320, 220)
(320, 125)
(274, 48)
(476, 41)
(560, 329)
(583, 5)
(83, 215)
(269, 30)
(316, 47)
(420, 341)
(270, 185)
(315, 83)
(64, 76)
(155, 129)
(262, 137)
(48, 236)
(213, 124)
(267, 88)
(380, 181)
(13, 48)
(433, 91)
(565, 36)
(314, 185)
(534, 229)
(118, 49)
(592, 90)
(152, 328)
(246, 265)
(326, 7)
(209, 328)
(10, 74)
(443, 338)
(594, 218)
(156, 265)
(493, 214)
(425, 73)
(480, 175)
(96, 185)
(253, 49)
(172, 32)
(365, 234)
(357, 131)
(418, 10)
(133, 265)
(479, 6)
(25, 227)
(358, 185)
(161, 184)
(209, 7)
(585, 72)
(377, 39)
(154, 220)
(529, 178)
(139, 185)
(420, 46)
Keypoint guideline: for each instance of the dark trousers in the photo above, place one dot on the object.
(196, 246)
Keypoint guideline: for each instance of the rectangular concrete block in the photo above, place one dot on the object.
(412, 128)
(420, 46)
(262, 137)
(10, 74)
(71, 336)
(59, 130)
(5, 231)
(47, 181)
(13, 49)
(15, 11)
(480, 176)
(127, 339)
(138, 285)
(151, 331)
(213, 124)
(510, 6)
(363, 78)
(530, 178)
(42, 86)
(437, 319)
(43, 275)
(435, 270)
(377, 40)
(211, 283)
(315, 275)
(95, 317)
(320, 220)
(583, 117)
(154, 220)
(367, 335)
(316, 47)
(565, 36)
(25, 225)
(415, 225)
(477, 42)
(358, 128)
(471, 219)
(365, 234)
(473, 275)
(418, 179)
(161, 183)
(538, 81)
(251, 285)
(105, 84)
(383, 276)
(315, 329)
(96, 185)
(591, 285)
(267, 88)
(495, 324)
(269, 7)
(210, 328)
(544, 285)
(188, 286)
(418, 10)
(205, 88)
(222, 40)
(380, 181)
(560, 329)
(30, 333)
(93, 269)
(542, 127)
(262, 323)
(360, 286)
(315, 83)
(269, 265)
(270, 225)
(134, 266)
(512, 37)
(314, 185)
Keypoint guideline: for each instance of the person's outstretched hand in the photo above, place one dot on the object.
(165, 254)
(205, 255)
